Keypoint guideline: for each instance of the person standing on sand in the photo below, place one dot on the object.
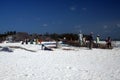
(108, 42)
(98, 41)
(81, 38)
(91, 40)
(84, 41)
(26, 41)
(42, 46)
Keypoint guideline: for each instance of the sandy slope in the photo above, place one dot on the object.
(75, 64)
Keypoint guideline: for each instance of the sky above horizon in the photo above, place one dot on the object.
(60, 16)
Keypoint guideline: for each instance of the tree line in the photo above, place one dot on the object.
(5, 34)
(18, 36)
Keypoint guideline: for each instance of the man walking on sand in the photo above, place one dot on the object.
(81, 38)
(98, 41)
(91, 40)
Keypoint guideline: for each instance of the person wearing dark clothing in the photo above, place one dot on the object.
(49, 49)
(22, 42)
(108, 42)
(42, 47)
(90, 41)
(26, 41)
(31, 41)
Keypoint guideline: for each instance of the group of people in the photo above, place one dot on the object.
(83, 41)
(89, 41)
(31, 41)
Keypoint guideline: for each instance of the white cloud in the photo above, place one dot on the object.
(44, 25)
(84, 9)
(105, 26)
(118, 25)
(72, 8)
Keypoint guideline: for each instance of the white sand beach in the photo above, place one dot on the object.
(73, 64)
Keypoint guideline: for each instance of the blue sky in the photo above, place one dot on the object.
(61, 16)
